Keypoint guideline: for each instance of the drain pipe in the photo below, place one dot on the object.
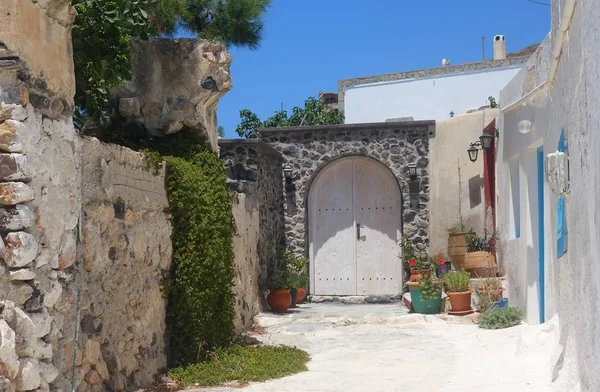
(559, 43)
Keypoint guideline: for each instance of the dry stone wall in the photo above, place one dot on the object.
(126, 249)
(255, 177)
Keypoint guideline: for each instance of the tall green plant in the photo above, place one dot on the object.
(457, 281)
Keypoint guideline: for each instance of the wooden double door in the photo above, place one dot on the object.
(355, 217)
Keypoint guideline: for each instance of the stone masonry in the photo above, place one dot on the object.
(396, 145)
(255, 176)
(126, 250)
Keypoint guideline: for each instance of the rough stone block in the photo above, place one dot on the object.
(29, 375)
(12, 193)
(12, 112)
(14, 167)
(21, 249)
(43, 324)
(22, 275)
(9, 136)
(9, 361)
(15, 219)
(130, 107)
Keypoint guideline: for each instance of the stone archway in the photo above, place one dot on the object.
(355, 219)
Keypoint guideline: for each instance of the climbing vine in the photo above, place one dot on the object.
(199, 287)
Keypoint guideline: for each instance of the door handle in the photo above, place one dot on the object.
(358, 231)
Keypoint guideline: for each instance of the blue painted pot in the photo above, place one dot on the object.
(503, 303)
(421, 305)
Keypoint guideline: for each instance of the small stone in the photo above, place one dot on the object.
(34, 304)
(43, 324)
(24, 327)
(9, 361)
(22, 274)
(130, 107)
(91, 352)
(9, 139)
(69, 254)
(12, 193)
(53, 295)
(8, 311)
(29, 375)
(12, 112)
(20, 217)
(48, 372)
(92, 377)
(14, 167)
(21, 249)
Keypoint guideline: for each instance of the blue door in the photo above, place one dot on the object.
(540, 170)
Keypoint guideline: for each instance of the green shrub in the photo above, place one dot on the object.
(243, 364)
(498, 318)
(457, 281)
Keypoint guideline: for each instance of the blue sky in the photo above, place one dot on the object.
(311, 44)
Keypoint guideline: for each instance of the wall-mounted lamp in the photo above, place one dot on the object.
(524, 126)
(287, 173)
(484, 143)
(412, 171)
(451, 114)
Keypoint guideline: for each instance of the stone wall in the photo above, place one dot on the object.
(255, 175)
(176, 83)
(126, 249)
(396, 145)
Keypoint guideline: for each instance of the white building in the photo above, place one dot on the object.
(549, 219)
(429, 94)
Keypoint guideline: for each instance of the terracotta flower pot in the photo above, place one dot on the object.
(481, 264)
(457, 249)
(460, 301)
(301, 295)
(279, 300)
(415, 275)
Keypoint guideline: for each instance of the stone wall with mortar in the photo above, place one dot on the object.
(40, 199)
(396, 145)
(126, 249)
(255, 176)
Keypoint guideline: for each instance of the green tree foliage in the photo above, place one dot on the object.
(103, 31)
(314, 112)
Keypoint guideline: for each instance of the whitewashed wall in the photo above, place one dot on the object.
(428, 98)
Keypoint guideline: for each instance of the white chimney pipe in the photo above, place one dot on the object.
(499, 47)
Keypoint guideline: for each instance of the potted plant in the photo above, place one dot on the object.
(490, 294)
(279, 298)
(459, 293)
(412, 257)
(297, 266)
(457, 245)
(426, 293)
(444, 265)
(480, 259)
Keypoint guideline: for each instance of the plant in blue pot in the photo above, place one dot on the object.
(426, 293)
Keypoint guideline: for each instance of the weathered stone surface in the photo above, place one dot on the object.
(42, 323)
(53, 294)
(9, 136)
(9, 361)
(29, 375)
(15, 219)
(22, 275)
(14, 167)
(17, 292)
(188, 76)
(48, 372)
(24, 327)
(12, 193)
(12, 112)
(21, 249)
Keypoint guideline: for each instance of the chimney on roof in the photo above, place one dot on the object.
(499, 47)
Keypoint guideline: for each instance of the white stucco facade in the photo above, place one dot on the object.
(569, 105)
(426, 98)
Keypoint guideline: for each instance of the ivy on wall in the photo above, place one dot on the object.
(199, 287)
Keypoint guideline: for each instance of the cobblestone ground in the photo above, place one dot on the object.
(382, 348)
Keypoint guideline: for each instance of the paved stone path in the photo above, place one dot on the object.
(382, 348)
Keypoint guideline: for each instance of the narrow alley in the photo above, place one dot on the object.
(383, 348)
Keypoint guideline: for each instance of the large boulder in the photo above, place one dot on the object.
(176, 83)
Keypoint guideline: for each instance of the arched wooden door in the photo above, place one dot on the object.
(355, 216)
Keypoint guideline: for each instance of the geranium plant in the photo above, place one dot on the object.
(431, 287)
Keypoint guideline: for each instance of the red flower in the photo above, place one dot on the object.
(442, 261)
(412, 262)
